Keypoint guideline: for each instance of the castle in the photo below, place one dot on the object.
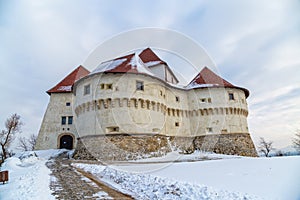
(134, 103)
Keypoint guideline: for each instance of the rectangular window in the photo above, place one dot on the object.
(87, 89)
(102, 86)
(176, 124)
(177, 98)
(70, 120)
(63, 120)
(209, 129)
(109, 86)
(139, 85)
(112, 129)
(231, 96)
(68, 104)
(209, 100)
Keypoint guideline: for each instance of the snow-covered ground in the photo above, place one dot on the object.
(219, 177)
(29, 178)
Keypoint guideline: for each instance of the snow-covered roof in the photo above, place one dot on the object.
(66, 84)
(141, 64)
(127, 64)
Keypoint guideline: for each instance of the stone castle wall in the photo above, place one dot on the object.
(51, 128)
(159, 108)
(131, 147)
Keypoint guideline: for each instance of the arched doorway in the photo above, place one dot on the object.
(66, 142)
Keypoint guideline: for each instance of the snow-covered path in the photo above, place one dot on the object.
(71, 183)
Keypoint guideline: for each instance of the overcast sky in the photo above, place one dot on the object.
(255, 44)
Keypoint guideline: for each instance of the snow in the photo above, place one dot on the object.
(151, 63)
(29, 178)
(276, 178)
(269, 178)
(108, 65)
(65, 88)
(147, 186)
(138, 64)
(196, 85)
(174, 176)
(222, 177)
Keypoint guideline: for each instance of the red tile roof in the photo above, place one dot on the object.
(207, 78)
(125, 66)
(66, 84)
(148, 55)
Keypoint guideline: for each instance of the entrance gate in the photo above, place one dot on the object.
(66, 142)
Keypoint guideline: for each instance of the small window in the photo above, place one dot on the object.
(243, 100)
(161, 93)
(102, 86)
(139, 85)
(177, 98)
(224, 131)
(209, 129)
(203, 100)
(87, 89)
(209, 100)
(68, 104)
(63, 120)
(70, 120)
(112, 129)
(109, 86)
(176, 124)
(231, 96)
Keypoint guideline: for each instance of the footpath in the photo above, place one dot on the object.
(69, 183)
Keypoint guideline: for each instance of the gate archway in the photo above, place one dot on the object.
(66, 141)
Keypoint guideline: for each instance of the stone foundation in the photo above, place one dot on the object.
(131, 147)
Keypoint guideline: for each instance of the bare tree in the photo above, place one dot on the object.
(27, 144)
(23, 145)
(296, 140)
(32, 141)
(265, 147)
(12, 125)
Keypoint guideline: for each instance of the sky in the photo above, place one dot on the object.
(255, 44)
